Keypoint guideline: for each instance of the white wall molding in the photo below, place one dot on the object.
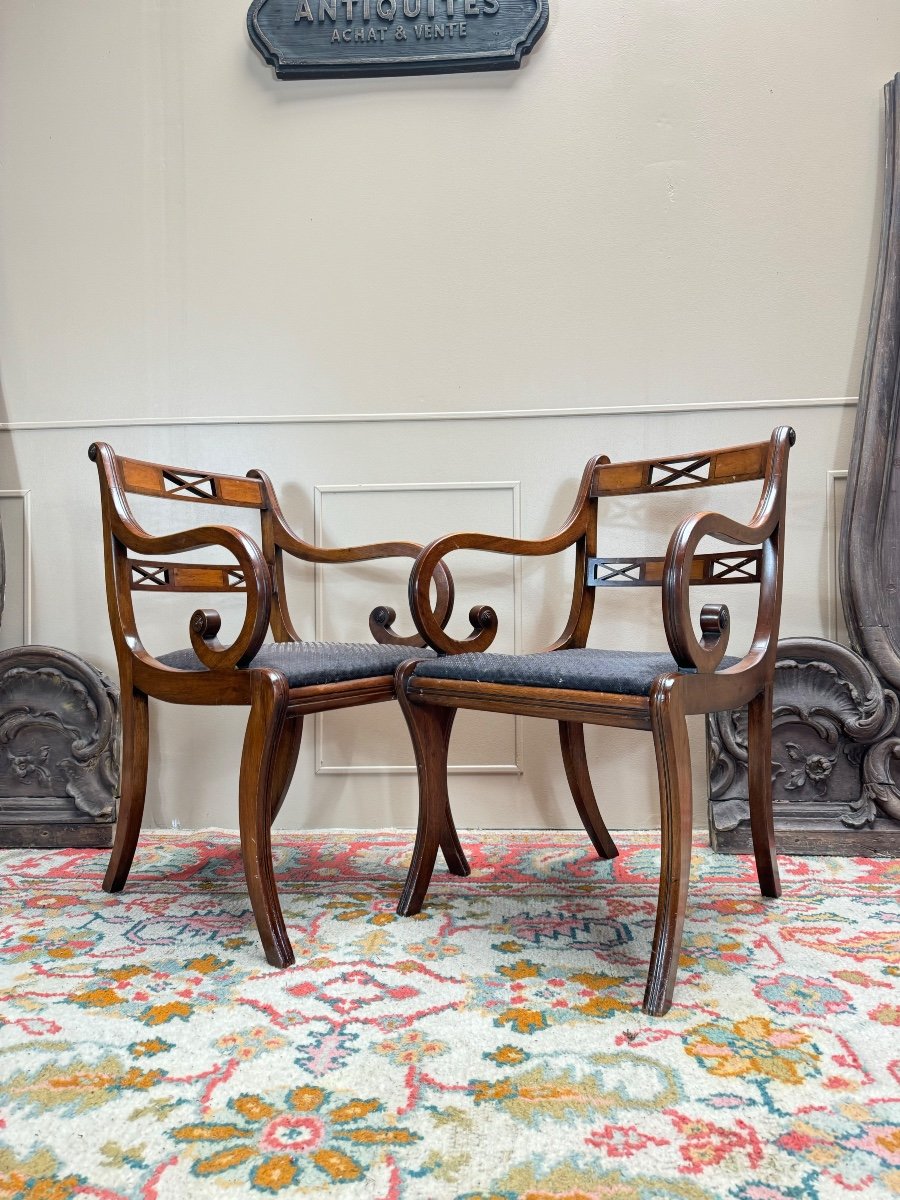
(500, 414)
(23, 633)
(320, 491)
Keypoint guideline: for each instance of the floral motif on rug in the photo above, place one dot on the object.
(491, 1048)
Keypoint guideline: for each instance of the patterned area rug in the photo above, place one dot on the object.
(492, 1047)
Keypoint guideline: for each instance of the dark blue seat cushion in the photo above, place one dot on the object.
(622, 672)
(309, 663)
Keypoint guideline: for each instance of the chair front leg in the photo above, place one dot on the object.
(268, 709)
(673, 763)
(133, 775)
(429, 728)
(759, 766)
(571, 740)
(285, 763)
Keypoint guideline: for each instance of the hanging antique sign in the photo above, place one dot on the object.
(317, 39)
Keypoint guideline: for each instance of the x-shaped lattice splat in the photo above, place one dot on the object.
(611, 570)
(694, 470)
(736, 567)
(194, 485)
(145, 576)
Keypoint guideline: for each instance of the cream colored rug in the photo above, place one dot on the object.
(491, 1047)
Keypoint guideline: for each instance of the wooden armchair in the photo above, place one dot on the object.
(279, 681)
(574, 685)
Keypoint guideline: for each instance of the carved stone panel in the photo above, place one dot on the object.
(833, 753)
(59, 737)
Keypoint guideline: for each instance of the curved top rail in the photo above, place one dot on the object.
(183, 483)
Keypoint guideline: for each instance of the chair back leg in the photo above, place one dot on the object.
(759, 766)
(571, 740)
(429, 729)
(286, 755)
(133, 787)
(451, 848)
(268, 709)
(673, 764)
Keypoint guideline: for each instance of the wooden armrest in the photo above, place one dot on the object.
(205, 623)
(381, 619)
(765, 529)
(482, 617)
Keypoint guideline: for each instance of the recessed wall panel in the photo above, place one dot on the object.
(375, 739)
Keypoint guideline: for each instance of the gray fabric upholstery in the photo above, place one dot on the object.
(624, 672)
(308, 663)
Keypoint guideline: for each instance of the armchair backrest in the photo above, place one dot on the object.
(758, 561)
(712, 468)
(125, 539)
(178, 483)
(134, 561)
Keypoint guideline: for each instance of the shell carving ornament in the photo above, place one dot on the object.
(832, 743)
(59, 728)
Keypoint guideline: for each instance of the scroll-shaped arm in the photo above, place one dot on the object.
(578, 528)
(124, 533)
(279, 538)
(765, 529)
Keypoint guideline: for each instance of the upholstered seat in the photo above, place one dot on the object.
(308, 663)
(624, 672)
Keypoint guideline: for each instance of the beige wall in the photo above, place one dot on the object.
(659, 234)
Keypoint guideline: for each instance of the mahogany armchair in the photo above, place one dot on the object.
(279, 681)
(574, 685)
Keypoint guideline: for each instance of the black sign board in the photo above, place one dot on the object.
(317, 39)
